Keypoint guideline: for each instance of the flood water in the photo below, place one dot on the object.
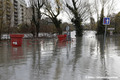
(47, 59)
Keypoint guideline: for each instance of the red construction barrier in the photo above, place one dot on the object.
(16, 39)
(62, 37)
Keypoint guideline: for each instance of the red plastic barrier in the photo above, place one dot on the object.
(16, 39)
(62, 37)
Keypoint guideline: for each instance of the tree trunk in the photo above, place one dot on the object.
(37, 33)
(37, 30)
(78, 26)
(57, 25)
(100, 26)
(58, 28)
(79, 31)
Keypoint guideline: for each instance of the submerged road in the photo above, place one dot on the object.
(46, 59)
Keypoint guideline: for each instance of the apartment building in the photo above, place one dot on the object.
(1, 10)
(12, 12)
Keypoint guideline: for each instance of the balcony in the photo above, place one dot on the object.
(15, 7)
(15, 1)
(1, 17)
(21, 6)
(22, 20)
(16, 16)
(15, 19)
(7, 14)
(22, 13)
(22, 17)
(1, 2)
(1, 6)
(8, 10)
(16, 23)
(15, 4)
(22, 9)
(8, 21)
(16, 12)
(8, 7)
(1, 9)
(8, 2)
(8, 18)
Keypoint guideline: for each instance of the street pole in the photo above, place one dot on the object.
(106, 21)
(105, 36)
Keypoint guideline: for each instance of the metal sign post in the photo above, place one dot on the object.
(106, 21)
(68, 33)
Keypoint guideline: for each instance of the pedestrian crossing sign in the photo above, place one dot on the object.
(106, 21)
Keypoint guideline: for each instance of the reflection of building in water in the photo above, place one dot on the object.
(10, 59)
(14, 55)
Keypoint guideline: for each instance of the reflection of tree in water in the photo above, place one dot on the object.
(35, 64)
(55, 48)
(58, 69)
(117, 43)
(7, 68)
(41, 64)
(1, 55)
(92, 48)
(102, 56)
(101, 45)
(77, 51)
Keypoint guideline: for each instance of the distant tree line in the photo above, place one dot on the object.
(114, 23)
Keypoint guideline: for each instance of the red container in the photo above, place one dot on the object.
(16, 39)
(62, 37)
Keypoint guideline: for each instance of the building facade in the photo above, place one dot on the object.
(12, 12)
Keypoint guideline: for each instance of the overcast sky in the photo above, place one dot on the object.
(65, 18)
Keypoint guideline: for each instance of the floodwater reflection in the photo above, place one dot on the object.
(17, 53)
(83, 58)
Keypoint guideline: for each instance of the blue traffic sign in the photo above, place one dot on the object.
(106, 21)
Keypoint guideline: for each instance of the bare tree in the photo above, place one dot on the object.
(99, 8)
(102, 6)
(36, 6)
(92, 12)
(80, 9)
(52, 10)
